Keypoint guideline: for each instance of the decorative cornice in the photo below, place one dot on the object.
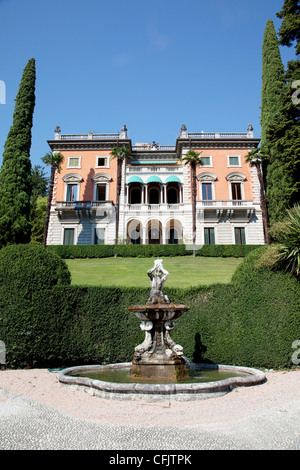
(216, 143)
(72, 177)
(101, 177)
(72, 144)
(207, 176)
(236, 176)
(181, 143)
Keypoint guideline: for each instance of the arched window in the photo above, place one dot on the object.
(207, 186)
(72, 187)
(101, 186)
(135, 193)
(236, 186)
(154, 195)
(172, 195)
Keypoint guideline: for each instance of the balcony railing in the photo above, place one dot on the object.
(89, 136)
(91, 209)
(154, 207)
(77, 205)
(153, 147)
(219, 135)
(225, 203)
(147, 169)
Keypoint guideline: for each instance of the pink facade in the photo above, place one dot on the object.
(156, 190)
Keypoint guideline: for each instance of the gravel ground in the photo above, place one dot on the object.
(37, 412)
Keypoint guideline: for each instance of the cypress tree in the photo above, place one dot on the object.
(273, 83)
(283, 180)
(277, 134)
(290, 27)
(15, 174)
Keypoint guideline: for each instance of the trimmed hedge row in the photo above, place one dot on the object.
(251, 322)
(148, 251)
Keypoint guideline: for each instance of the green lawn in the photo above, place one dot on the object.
(185, 271)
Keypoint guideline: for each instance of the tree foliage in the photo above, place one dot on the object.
(40, 182)
(273, 83)
(38, 215)
(290, 248)
(15, 175)
(256, 158)
(290, 27)
(280, 117)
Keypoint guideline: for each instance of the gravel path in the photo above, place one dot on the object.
(37, 412)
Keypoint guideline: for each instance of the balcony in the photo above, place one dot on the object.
(140, 209)
(237, 210)
(69, 209)
(159, 169)
(225, 203)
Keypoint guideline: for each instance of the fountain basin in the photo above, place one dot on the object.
(230, 377)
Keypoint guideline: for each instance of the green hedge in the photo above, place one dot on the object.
(148, 251)
(251, 322)
(28, 268)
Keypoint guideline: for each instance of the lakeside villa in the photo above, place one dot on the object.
(155, 202)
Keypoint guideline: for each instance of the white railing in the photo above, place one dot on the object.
(76, 205)
(89, 136)
(219, 135)
(154, 207)
(153, 168)
(225, 203)
(152, 147)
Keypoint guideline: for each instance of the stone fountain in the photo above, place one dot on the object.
(158, 356)
(158, 370)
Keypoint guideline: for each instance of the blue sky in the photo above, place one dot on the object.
(150, 64)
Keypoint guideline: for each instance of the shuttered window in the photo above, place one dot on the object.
(72, 192)
(206, 192)
(209, 236)
(240, 238)
(69, 236)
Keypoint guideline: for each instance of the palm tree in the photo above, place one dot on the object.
(55, 160)
(121, 154)
(193, 159)
(255, 158)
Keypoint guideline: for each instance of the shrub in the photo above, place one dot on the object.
(270, 258)
(277, 230)
(149, 251)
(29, 268)
(24, 271)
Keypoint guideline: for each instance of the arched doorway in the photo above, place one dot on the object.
(174, 232)
(154, 230)
(134, 232)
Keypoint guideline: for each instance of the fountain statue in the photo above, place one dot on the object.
(157, 283)
(158, 369)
